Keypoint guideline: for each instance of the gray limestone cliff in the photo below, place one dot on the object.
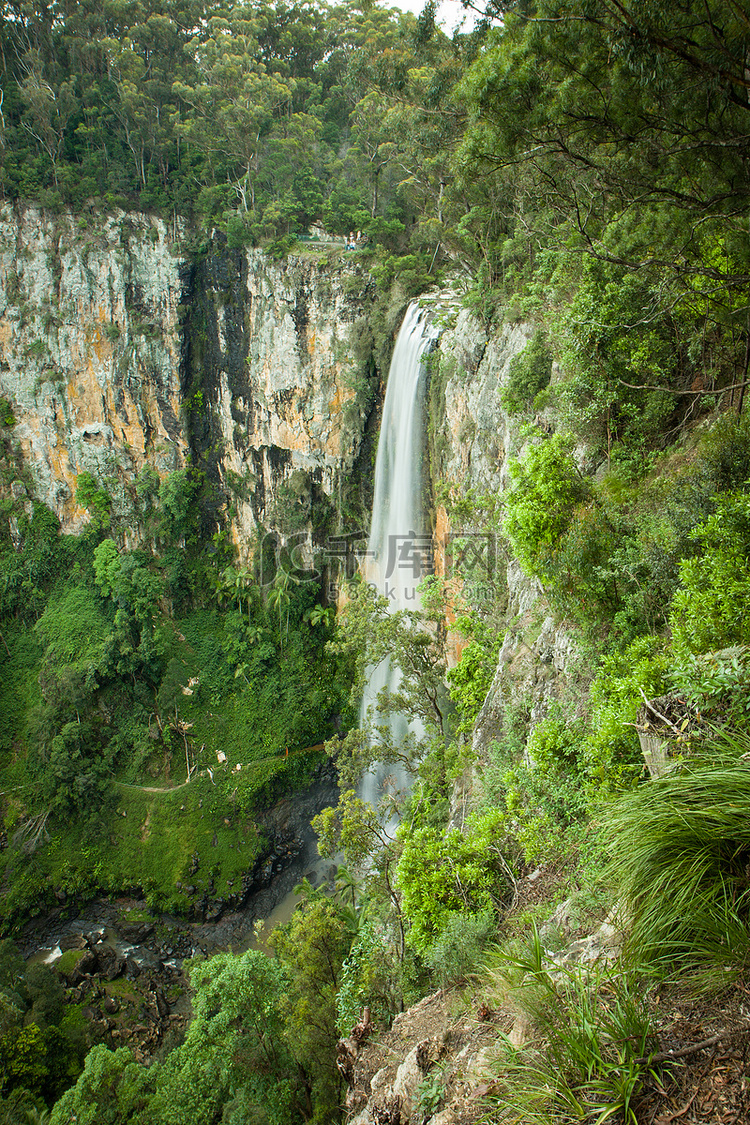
(89, 350)
(117, 352)
(473, 440)
(279, 383)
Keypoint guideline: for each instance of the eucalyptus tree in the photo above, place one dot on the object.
(623, 130)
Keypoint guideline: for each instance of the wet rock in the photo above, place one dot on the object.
(111, 1005)
(72, 941)
(111, 963)
(87, 966)
(162, 1006)
(136, 932)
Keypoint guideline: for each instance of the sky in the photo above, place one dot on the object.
(450, 12)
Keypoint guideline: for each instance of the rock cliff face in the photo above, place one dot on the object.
(115, 353)
(277, 385)
(90, 350)
(472, 441)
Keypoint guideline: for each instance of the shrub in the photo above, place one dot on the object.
(443, 875)
(458, 951)
(365, 980)
(547, 487)
(590, 1055)
(710, 610)
(716, 684)
(96, 500)
(528, 374)
(611, 750)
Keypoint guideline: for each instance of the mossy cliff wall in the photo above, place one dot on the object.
(117, 351)
(472, 441)
(90, 350)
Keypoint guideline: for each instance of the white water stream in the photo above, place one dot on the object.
(399, 549)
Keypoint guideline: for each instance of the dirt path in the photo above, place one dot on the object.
(157, 788)
(202, 773)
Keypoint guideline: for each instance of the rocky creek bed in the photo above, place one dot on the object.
(122, 963)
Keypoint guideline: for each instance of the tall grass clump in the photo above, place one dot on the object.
(680, 848)
(591, 1040)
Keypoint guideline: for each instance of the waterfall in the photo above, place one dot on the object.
(399, 546)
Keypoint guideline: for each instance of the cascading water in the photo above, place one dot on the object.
(399, 547)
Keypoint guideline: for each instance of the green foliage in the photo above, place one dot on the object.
(611, 749)
(24, 1058)
(459, 950)
(529, 373)
(441, 875)
(611, 348)
(545, 793)
(470, 681)
(37, 1056)
(710, 610)
(312, 949)
(678, 848)
(715, 684)
(579, 144)
(97, 500)
(7, 418)
(283, 117)
(367, 979)
(72, 628)
(430, 1093)
(178, 495)
(113, 1089)
(539, 786)
(109, 693)
(547, 488)
(234, 1038)
(29, 574)
(367, 634)
(233, 1056)
(593, 1038)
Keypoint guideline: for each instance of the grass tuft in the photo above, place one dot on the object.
(591, 1043)
(680, 848)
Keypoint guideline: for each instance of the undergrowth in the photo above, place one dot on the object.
(592, 1036)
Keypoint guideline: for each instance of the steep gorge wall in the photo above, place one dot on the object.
(117, 352)
(90, 350)
(473, 439)
(278, 386)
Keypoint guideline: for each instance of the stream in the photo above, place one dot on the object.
(153, 941)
